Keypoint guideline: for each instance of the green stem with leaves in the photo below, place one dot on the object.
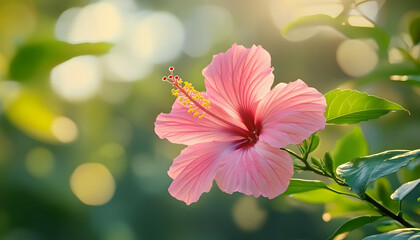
(381, 208)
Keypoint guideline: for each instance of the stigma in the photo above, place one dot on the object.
(187, 95)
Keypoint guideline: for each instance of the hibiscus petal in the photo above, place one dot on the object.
(237, 79)
(290, 113)
(181, 127)
(194, 170)
(257, 170)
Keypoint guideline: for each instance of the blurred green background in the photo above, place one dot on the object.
(80, 88)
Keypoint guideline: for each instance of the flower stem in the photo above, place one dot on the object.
(385, 211)
(380, 208)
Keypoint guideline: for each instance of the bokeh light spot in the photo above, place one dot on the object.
(77, 79)
(356, 57)
(64, 129)
(248, 215)
(124, 66)
(157, 38)
(205, 26)
(97, 22)
(39, 162)
(326, 217)
(284, 12)
(92, 183)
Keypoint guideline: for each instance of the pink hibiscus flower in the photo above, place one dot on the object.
(235, 130)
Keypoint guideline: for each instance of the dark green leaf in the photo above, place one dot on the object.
(379, 35)
(414, 29)
(404, 189)
(39, 58)
(350, 106)
(301, 185)
(351, 146)
(399, 234)
(359, 172)
(353, 224)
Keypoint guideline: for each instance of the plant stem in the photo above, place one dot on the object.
(381, 208)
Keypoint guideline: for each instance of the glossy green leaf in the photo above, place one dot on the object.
(379, 35)
(404, 189)
(359, 172)
(399, 234)
(414, 29)
(353, 224)
(302, 185)
(351, 146)
(39, 58)
(350, 106)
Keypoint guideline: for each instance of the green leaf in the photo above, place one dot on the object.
(404, 189)
(399, 234)
(350, 106)
(315, 142)
(328, 164)
(414, 30)
(351, 146)
(302, 185)
(315, 161)
(381, 191)
(353, 224)
(359, 172)
(379, 35)
(35, 59)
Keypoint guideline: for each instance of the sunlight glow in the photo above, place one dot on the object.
(92, 183)
(39, 162)
(356, 57)
(77, 79)
(248, 215)
(64, 129)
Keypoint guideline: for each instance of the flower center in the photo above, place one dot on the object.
(199, 106)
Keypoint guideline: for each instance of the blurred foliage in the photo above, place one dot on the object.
(114, 128)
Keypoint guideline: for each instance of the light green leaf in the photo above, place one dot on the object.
(302, 185)
(351, 146)
(359, 172)
(350, 106)
(404, 189)
(399, 234)
(379, 35)
(39, 58)
(353, 224)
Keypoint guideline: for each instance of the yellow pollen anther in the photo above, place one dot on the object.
(187, 95)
